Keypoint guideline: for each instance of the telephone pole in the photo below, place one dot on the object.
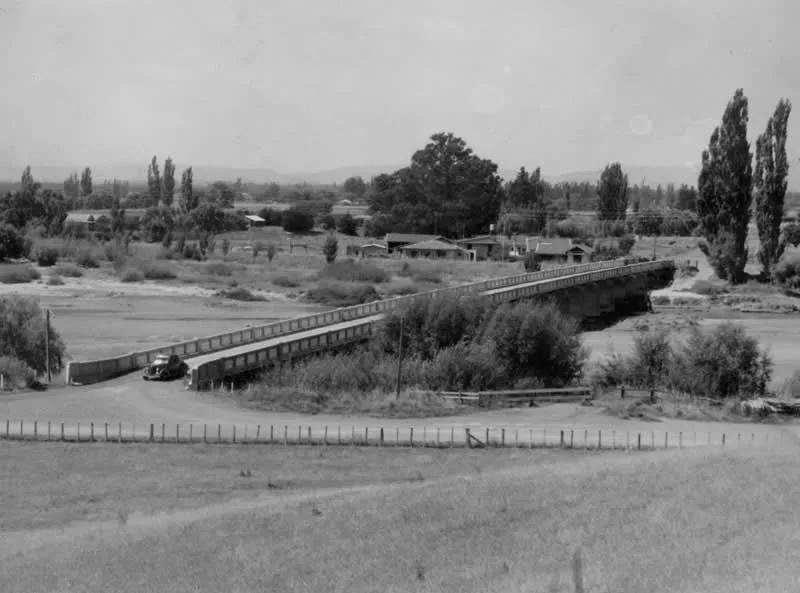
(47, 343)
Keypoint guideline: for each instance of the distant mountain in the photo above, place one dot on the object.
(650, 175)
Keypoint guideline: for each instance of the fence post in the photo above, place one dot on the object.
(469, 441)
(177, 433)
(191, 430)
(639, 441)
(572, 439)
(205, 433)
(366, 435)
(62, 431)
(35, 429)
(452, 437)
(8, 428)
(530, 437)
(723, 439)
(163, 432)
(219, 433)
(325, 437)
(438, 442)
(502, 437)
(487, 438)
(614, 439)
(285, 434)
(516, 438)
(244, 436)
(353, 436)
(309, 435)
(680, 440)
(48, 430)
(411, 436)
(258, 432)
(561, 442)
(78, 434)
(91, 432)
(585, 440)
(234, 432)
(271, 433)
(380, 442)
(599, 440)
(105, 433)
(119, 433)
(666, 440)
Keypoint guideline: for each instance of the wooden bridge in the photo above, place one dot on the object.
(214, 358)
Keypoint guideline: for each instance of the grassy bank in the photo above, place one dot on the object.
(675, 521)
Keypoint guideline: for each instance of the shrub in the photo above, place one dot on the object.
(132, 275)
(532, 262)
(787, 273)
(342, 294)
(46, 255)
(284, 280)
(68, 270)
(16, 374)
(55, 281)
(625, 244)
(707, 288)
(18, 274)
(272, 249)
(421, 273)
(226, 247)
(475, 366)
(347, 225)
(218, 269)
(351, 271)
(258, 247)
(331, 248)
(193, 251)
(297, 220)
(239, 294)
(660, 299)
(12, 243)
(86, 259)
(22, 334)
(328, 222)
(154, 270)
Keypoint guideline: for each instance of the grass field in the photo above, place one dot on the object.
(703, 520)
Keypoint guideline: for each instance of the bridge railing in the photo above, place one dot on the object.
(98, 370)
(211, 371)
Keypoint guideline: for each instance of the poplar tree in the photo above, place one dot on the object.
(168, 183)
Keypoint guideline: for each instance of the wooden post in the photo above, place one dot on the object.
(599, 440)
(105, 432)
(299, 435)
(530, 437)
(205, 433)
(452, 437)
(133, 433)
(380, 442)
(614, 439)
(190, 432)
(561, 442)
(47, 344)
(36, 429)
(258, 432)
(516, 438)
(437, 437)
(271, 433)
(487, 438)
(502, 437)
(723, 439)
(411, 436)
(8, 428)
(397, 435)
(469, 440)
(628, 441)
(62, 431)
(244, 436)
(177, 433)
(48, 430)
(353, 436)
(285, 435)
(78, 434)
(219, 433)
(339, 435)
(585, 440)
(572, 439)
(309, 435)
(234, 431)
(680, 440)
(366, 435)
(639, 441)
(91, 432)
(666, 440)
(163, 432)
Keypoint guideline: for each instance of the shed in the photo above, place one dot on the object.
(486, 246)
(367, 250)
(396, 240)
(253, 220)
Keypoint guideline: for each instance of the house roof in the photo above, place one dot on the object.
(554, 246)
(481, 240)
(411, 238)
(372, 245)
(581, 247)
(432, 245)
(254, 218)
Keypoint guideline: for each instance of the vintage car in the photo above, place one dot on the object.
(165, 367)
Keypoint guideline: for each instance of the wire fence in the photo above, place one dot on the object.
(442, 437)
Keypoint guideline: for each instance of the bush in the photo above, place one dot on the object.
(342, 294)
(154, 270)
(86, 258)
(328, 222)
(707, 288)
(55, 281)
(12, 243)
(347, 225)
(331, 248)
(661, 299)
(18, 274)
(351, 271)
(132, 275)
(297, 220)
(193, 251)
(68, 270)
(16, 374)
(284, 280)
(532, 262)
(218, 269)
(239, 294)
(22, 335)
(46, 255)
(787, 273)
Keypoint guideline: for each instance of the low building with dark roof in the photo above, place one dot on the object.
(396, 240)
(435, 248)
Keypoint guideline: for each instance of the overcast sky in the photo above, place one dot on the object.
(299, 85)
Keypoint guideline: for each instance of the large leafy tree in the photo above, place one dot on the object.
(725, 195)
(772, 168)
(355, 185)
(612, 193)
(447, 190)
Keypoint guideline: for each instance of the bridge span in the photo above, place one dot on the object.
(586, 290)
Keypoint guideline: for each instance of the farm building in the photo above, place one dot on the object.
(353, 210)
(367, 250)
(486, 246)
(435, 248)
(254, 220)
(396, 240)
(559, 251)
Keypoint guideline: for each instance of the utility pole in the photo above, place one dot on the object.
(400, 357)
(47, 343)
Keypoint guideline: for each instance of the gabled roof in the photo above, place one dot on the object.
(254, 218)
(432, 245)
(554, 246)
(581, 247)
(481, 240)
(381, 245)
(411, 238)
